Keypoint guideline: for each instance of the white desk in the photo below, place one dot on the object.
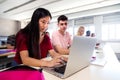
(111, 70)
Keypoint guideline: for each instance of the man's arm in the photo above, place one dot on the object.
(62, 51)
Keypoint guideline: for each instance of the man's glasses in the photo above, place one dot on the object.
(63, 24)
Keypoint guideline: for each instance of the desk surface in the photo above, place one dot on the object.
(111, 70)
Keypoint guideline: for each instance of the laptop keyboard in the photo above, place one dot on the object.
(60, 69)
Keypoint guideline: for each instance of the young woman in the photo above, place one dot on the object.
(81, 31)
(32, 44)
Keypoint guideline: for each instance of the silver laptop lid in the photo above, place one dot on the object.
(80, 54)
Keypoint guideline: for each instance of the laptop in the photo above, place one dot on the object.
(79, 57)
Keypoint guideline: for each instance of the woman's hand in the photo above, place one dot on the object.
(62, 57)
(54, 62)
(57, 61)
(56, 58)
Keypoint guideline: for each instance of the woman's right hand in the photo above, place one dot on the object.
(54, 62)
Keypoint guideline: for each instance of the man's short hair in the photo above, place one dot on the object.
(63, 18)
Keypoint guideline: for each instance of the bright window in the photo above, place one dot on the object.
(111, 32)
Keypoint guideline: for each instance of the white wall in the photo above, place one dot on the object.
(98, 20)
(8, 27)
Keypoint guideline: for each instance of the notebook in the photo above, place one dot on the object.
(79, 58)
(2, 51)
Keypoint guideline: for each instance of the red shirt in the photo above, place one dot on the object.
(21, 44)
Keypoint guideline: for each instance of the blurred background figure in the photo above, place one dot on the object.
(88, 33)
(81, 31)
(92, 34)
(11, 42)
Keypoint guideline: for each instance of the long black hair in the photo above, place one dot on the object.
(32, 30)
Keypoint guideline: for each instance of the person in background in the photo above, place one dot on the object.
(33, 45)
(61, 39)
(92, 34)
(11, 42)
(88, 33)
(81, 31)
